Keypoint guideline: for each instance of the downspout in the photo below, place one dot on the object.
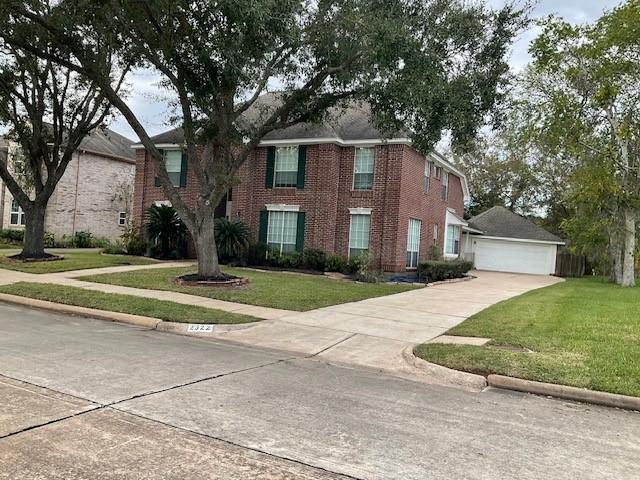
(75, 200)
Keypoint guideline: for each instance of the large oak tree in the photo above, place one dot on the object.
(47, 109)
(423, 66)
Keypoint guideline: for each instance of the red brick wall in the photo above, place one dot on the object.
(425, 206)
(397, 195)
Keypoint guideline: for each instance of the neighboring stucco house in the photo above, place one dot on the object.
(94, 195)
(501, 240)
(338, 186)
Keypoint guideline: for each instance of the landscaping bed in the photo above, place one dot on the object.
(287, 291)
(74, 261)
(164, 310)
(582, 332)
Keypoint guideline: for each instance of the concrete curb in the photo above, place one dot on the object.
(444, 375)
(568, 393)
(136, 320)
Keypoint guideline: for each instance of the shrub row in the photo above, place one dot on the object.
(437, 270)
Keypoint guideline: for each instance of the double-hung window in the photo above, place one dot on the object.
(363, 168)
(286, 167)
(122, 218)
(359, 235)
(427, 175)
(282, 231)
(173, 164)
(438, 171)
(413, 243)
(17, 214)
(452, 246)
(444, 183)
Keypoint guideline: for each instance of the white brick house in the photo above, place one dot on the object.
(94, 195)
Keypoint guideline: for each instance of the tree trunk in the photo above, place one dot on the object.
(628, 253)
(33, 246)
(205, 243)
(615, 254)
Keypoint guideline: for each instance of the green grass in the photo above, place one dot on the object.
(583, 333)
(169, 311)
(288, 291)
(73, 261)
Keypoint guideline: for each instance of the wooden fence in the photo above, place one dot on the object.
(569, 265)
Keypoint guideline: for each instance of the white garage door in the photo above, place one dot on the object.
(517, 257)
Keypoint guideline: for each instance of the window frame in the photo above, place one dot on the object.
(172, 172)
(427, 176)
(437, 171)
(444, 186)
(373, 167)
(351, 236)
(122, 222)
(296, 153)
(436, 229)
(455, 240)
(411, 261)
(281, 243)
(18, 212)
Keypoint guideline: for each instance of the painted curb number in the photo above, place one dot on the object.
(199, 328)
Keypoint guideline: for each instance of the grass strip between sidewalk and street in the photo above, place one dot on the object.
(582, 333)
(164, 310)
(284, 290)
(73, 261)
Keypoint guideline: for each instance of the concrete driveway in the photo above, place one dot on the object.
(376, 331)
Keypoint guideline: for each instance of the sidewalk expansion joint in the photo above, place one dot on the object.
(331, 346)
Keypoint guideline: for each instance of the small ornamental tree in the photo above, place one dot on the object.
(423, 66)
(584, 87)
(47, 110)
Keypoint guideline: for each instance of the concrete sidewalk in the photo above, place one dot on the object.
(373, 332)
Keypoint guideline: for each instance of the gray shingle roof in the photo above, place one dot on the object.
(501, 222)
(352, 122)
(110, 143)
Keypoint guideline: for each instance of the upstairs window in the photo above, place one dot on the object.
(122, 218)
(359, 235)
(445, 186)
(363, 168)
(427, 175)
(286, 167)
(17, 214)
(173, 163)
(438, 171)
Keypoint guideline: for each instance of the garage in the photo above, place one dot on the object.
(500, 240)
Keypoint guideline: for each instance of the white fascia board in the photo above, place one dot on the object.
(521, 240)
(281, 207)
(159, 145)
(338, 141)
(360, 211)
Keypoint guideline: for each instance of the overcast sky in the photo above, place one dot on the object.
(149, 102)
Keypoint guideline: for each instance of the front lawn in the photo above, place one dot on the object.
(73, 261)
(583, 333)
(283, 290)
(168, 311)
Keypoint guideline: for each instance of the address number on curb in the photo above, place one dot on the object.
(198, 328)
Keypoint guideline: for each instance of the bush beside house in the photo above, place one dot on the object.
(438, 270)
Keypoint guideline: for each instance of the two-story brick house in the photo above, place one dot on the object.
(339, 187)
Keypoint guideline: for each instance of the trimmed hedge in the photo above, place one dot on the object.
(435, 271)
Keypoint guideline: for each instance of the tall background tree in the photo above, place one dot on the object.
(584, 90)
(47, 110)
(423, 66)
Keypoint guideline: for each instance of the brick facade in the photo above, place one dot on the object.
(89, 197)
(397, 195)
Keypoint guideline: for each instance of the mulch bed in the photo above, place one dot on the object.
(195, 280)
(46, 258)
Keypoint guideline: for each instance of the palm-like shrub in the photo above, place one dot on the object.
(232, 238)
(165, 229)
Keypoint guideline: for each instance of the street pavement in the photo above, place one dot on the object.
(88, 399)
